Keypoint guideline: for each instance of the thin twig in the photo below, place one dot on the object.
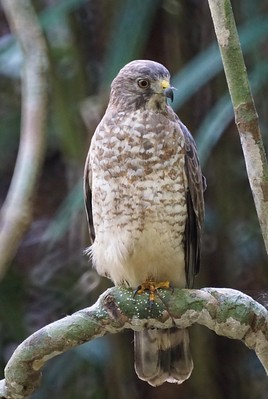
(245, 113)
(16, 213)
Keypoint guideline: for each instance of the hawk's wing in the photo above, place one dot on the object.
(195, 207)
(88, 199)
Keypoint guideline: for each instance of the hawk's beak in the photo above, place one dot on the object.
(167, 89)
(169, 93)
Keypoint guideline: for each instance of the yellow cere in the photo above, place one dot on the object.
(165, 84)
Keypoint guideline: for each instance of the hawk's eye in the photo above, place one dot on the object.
(143, 83)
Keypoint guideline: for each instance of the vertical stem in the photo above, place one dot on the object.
(16, 212)
(246, 117)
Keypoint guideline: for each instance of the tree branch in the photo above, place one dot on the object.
(225, 311)
(16, 213)
(245, 113)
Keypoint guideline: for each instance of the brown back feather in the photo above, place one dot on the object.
(195, 207)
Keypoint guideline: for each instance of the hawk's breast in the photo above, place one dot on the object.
(138, 198)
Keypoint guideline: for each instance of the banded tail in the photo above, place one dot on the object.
(162, 355)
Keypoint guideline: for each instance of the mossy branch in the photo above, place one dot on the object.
(225, 311)
(245, 113)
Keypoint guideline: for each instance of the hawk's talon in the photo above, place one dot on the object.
(171, 287)
(151, 304)
(152, 287)
(138, 290)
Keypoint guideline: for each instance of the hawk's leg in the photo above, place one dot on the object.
(152, 288)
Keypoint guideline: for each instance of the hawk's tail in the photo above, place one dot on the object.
(162, 355)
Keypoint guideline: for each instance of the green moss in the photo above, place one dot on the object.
(139, 305)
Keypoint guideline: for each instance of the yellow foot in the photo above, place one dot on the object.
(152, 287)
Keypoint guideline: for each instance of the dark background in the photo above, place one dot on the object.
(89, 41)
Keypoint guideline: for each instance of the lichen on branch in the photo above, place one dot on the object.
(227, 312)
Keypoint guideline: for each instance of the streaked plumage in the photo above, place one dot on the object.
(144, 200)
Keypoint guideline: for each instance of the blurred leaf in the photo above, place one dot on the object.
(62, 220)
(51, 15)
(207, 64)
(10, 53)
(222, 114)
(131, 29)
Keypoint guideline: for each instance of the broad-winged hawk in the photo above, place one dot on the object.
(144, 199)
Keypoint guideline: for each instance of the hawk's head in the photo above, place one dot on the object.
(141, 84)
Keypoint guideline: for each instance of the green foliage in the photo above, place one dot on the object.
(129, 44)
(222, 114)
